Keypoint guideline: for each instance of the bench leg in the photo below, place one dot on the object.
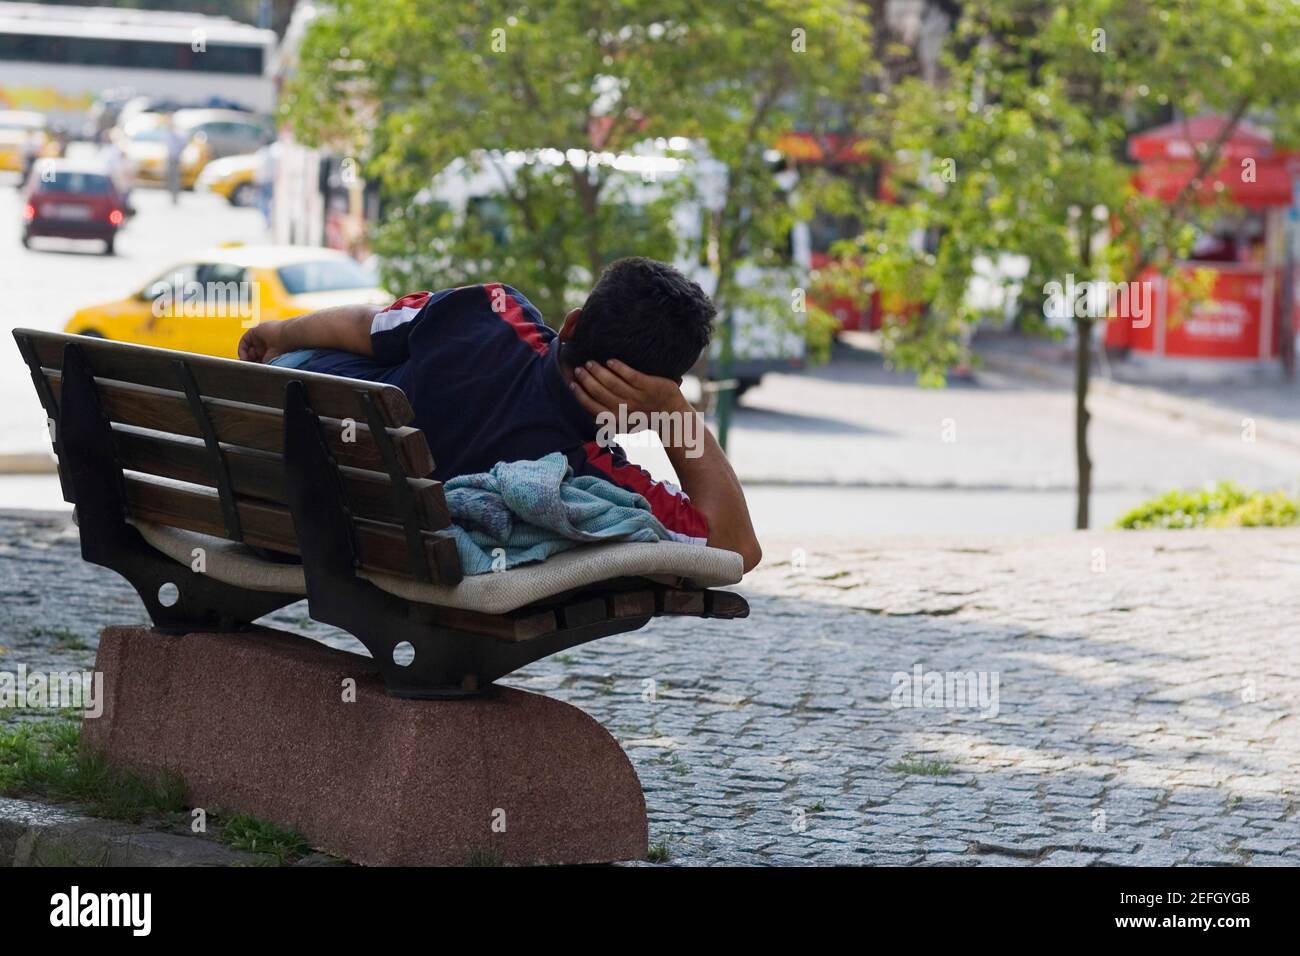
(88, 463)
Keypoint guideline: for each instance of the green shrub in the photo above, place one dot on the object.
(1271, 510)
(1226, 505)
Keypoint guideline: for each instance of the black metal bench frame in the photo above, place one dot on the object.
(448, 661)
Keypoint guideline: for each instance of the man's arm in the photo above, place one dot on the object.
(344, 327)
(708, 478)
(715, 491)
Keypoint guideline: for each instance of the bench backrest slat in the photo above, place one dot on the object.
(212, 460)
(251, 426)
(227, 379)
(260, 475)
(381, 547)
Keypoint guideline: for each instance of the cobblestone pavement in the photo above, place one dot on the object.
(1140, 705)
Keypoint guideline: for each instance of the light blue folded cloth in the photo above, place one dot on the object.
(523, 511)
(298, 359)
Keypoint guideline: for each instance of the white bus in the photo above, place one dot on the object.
(58, 60)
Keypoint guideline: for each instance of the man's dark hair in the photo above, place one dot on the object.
(646, 314)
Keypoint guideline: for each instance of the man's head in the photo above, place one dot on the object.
(644, 313)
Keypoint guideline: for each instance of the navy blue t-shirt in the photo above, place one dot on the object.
(481, 370)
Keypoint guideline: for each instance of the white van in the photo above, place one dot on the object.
(769, 332)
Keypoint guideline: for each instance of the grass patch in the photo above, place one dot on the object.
(62, 638)
(673, 763)
(44, 759)
(658, 853)
(922, 768)
(277, 844)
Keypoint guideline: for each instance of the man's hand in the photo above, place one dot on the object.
(604, 388)
(262, 342)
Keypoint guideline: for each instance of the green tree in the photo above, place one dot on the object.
(1020, 150)
(411, 88)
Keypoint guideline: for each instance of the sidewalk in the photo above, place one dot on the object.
(1271, 402)
(1133, 696)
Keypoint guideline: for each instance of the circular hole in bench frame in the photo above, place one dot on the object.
(403, 654)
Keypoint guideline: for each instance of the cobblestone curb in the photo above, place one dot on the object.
(38, 834)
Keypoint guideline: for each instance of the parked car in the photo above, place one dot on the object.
(208, 134)
(205, 303)
(72, 200)
(215, 134)
(231, 178)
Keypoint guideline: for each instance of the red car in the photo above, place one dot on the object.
(72, 201)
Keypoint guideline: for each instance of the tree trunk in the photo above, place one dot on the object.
(1082, 363)
(589, 203)
(1082, 368)
(725, 328)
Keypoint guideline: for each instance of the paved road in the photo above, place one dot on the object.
(1143, 711)
(43, 286)
(780, 511)
(851, 448)
(866, 451)
(853, 422)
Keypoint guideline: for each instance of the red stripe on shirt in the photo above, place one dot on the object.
(667, 503)
(527, 330)
(412, 300)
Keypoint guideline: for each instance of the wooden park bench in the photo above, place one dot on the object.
(196, 478)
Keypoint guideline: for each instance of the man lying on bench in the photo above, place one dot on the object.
(489, 381)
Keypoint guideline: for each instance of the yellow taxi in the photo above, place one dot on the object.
(204, 303)
(231, 178)
(21, 132)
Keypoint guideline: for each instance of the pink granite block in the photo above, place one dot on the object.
(256, 722)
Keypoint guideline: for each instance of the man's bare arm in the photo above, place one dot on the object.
(715, 491)
(708, 478)
(344, 327)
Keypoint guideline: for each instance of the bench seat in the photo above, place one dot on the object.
(666, 563)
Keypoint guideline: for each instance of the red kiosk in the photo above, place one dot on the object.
(1240, 323)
